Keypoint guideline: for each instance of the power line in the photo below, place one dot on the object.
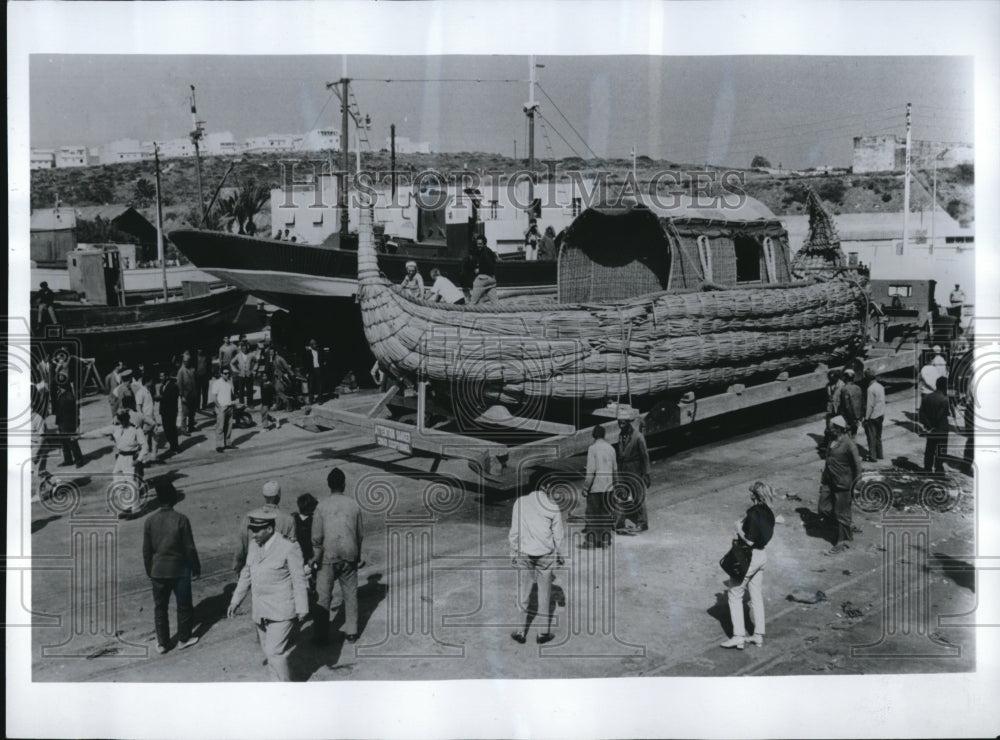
(432, 79)
(568, 123)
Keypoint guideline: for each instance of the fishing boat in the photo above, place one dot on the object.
(652, 303)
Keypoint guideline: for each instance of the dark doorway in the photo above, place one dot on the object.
(748, 258)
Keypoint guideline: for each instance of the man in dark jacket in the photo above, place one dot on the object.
(171, 562)
(852, 403)
(188, 391)
(935, 411)
(68, 424)
(633, 471)
(843, 466)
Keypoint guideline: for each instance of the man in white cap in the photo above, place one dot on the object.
(274, 574)
(284, 523)
(413, 281)
(843, 466)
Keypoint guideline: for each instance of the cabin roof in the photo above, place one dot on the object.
(124, 217)
(53, 219)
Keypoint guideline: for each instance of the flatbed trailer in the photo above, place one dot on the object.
(515, 443)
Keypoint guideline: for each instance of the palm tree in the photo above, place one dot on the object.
(145, 192)
(241, 207)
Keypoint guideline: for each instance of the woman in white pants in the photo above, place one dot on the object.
(755, 531)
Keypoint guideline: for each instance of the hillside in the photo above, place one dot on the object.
(131, 183)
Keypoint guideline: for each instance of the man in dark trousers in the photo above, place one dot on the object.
(633, 472)
(188, 391)
(852, 403)
(935, 413)
(68, 424)
(843, 466)
(171, 562)
(315, 364)
(169, 397)
(337, 534)
(874, 415)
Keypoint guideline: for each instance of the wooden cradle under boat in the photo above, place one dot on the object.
(649, 304)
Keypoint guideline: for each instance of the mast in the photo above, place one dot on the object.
(159, 220)
(906, 185)
(345, 162)
(529, 109)
(197, 133)
(392, 160)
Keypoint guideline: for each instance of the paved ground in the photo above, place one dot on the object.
(437, 590)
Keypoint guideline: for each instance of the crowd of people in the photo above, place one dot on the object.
(288, 563)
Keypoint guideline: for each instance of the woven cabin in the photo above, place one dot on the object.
(616, 254)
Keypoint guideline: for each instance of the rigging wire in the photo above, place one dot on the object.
(549, 98)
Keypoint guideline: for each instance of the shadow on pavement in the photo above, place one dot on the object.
(211, 610)
(960, 571)
(39, 524)
(720, 612)
(815, 526)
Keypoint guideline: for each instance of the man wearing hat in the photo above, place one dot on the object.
(171, 561)
(284, 523)
(935, 417)
(131, 446)
(633, 472)
(337, 535)
(843, 466)
(852, 403)
(274, 574)
(413, 281)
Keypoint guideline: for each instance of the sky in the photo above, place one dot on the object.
(795, 110)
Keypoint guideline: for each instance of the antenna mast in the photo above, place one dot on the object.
(197, 134)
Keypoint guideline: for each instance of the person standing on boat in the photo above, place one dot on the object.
(536, 542)
(843, 466)
(222, 395)
(444, 290)
(633, 471)
(188, 391)
(484, 262)
(413, 281)
(531, 239)
(46, 306)
(547, 247)
(598, 487)
(957, 300)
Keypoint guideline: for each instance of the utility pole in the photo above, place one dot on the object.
(392, 160)
(934, 197)
(197, 134)
(906, 185)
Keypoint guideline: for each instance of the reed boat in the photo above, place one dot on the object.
(651, 303)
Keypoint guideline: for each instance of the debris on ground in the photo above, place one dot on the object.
(806, 597)
(848, 610)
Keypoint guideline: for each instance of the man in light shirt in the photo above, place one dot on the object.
(598, 486)
(536, 541)
(444, 290)
(221, 393)
(874, 415)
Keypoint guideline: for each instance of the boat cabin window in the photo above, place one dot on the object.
(852, 259)
(747, 259)
(705, 257)
(901, 290)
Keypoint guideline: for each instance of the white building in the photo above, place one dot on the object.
(125, 150)
(876, 240)
(71, 156)
(171, 147)
(405, 146)
(43, 159)
(271, 143)
(220, 143)
(321, 139)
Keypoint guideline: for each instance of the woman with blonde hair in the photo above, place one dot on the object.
(754, 530)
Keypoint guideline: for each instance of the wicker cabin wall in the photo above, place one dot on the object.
(583, 280)
(723, 260)
(685, 265)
